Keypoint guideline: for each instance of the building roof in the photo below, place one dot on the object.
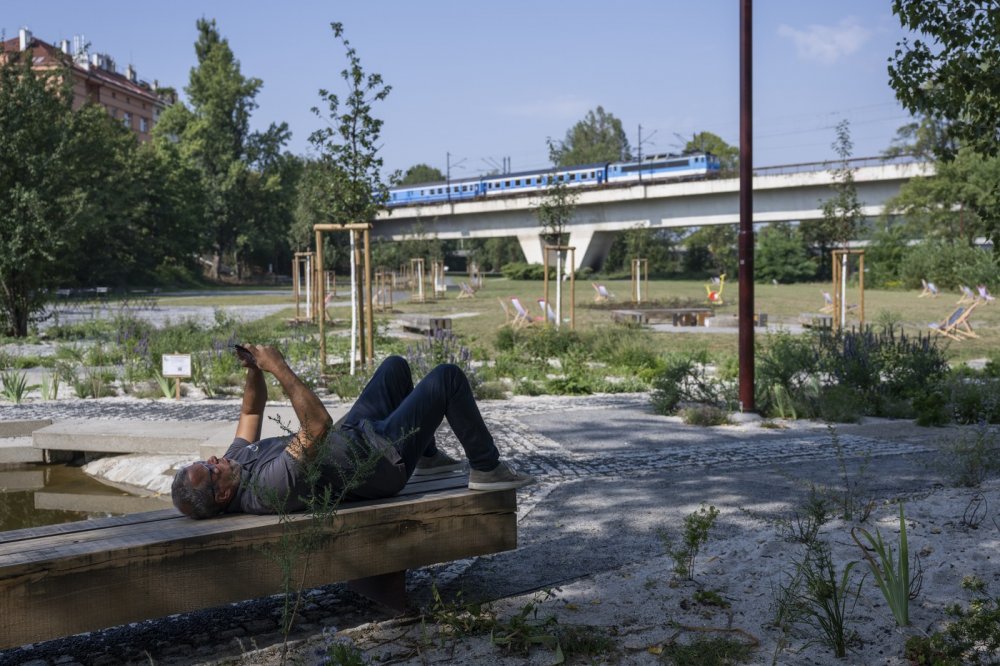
(44, 53)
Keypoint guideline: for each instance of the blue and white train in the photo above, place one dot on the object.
(654, 167)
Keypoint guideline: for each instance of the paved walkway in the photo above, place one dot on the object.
(611, 474)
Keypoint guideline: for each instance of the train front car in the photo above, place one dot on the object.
(664, 167)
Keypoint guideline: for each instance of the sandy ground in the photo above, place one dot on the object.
(643, 607)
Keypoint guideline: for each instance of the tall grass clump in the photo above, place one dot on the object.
(891, 575)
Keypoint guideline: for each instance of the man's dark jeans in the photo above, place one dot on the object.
(409, 416)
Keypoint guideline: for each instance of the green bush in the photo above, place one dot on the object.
(948, 265)
(685, 379)
(841, 404)
(881, 366)
(705, 415)
(521, 271)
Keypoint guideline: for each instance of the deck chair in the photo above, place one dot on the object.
(930, 289)
(968, 296)
(548, 313)
(521, 316)
(465, 291)
(827, 302)
(715, 295)
(984, 294)
(956, 325)
(602, 295)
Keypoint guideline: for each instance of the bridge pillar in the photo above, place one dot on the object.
(531, 245)
(591, 247)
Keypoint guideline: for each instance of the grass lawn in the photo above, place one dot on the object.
(782, 303)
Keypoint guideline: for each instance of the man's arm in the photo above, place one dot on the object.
(252, 410)
(314, 420)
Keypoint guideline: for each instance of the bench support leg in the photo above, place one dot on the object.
(387, 589)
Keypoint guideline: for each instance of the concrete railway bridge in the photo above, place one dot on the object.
(780, 194)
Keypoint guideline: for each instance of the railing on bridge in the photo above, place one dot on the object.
(853, 163)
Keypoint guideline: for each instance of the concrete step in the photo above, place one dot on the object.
(173, 437)
(184, 438)
(19, 450)
(22, 428)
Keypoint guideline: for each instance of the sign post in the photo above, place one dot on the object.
(177, 366)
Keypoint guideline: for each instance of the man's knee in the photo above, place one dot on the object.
(396, 365)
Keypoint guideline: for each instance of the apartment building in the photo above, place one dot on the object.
(137, 104)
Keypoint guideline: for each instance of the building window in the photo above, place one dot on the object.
(127, 119)
(143, 125)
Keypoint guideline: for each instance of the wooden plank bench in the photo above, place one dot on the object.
(426, 324)
(87, 575)
(630, 316)
(678, 316)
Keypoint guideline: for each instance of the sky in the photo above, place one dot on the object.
(485, 81)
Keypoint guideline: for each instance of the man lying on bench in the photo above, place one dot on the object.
(391, 425)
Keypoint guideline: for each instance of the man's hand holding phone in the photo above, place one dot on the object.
(245, 356)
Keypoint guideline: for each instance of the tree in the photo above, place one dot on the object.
(422, 173)
(655, 245)
(599, 137)
(782, 255)
(37, 190)
(215, 134)
(556, 206)
(348, 146)
(959, 203)
(706, 142)
(926, 138)
(711, 248)
(953, 74)
(842, 212)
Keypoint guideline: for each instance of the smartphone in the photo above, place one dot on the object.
(244, 353)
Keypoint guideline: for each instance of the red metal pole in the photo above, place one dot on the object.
(746, 209)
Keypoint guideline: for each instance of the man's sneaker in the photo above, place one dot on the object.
(436, 464)
(501, 477)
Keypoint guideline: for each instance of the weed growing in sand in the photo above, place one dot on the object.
(705, 415)
(710, 598)
(892, 577)
(695, 536)
(972, 638)
(972, 457)
(338, 650)
(459, 618)
(717, 651)
(524, 630)
(816, 597)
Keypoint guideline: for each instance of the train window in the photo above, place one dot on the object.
(506, 183)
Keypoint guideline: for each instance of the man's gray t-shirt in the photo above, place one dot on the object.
(270, 479)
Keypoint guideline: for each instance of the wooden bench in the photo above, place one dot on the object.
(630, 316)
(816, 320)
(678, 316)
(426, 324)
(87, 575)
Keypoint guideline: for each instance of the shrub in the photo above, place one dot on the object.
(881, 366)
(786, 367)
(696, 528)
(705, 415)
(685, 379)
(521, 271)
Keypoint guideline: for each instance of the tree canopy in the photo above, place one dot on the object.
(599, 137)
(706, 142)
(951, 75)
(240, 169)
(422, 173)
